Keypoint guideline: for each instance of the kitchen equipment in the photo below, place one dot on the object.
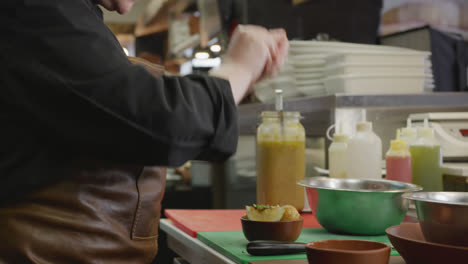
(326, 251)
(377, 57)
(455, 176)
(450, 129)
(409, 241)
(375, 69)
(278, 231)
(337, 154)
(312, 90)
(232, 244)
(348, 251)
(375, 83)
(398, 161)
(364, 152)
(426, 160)
(358, 206)
(409, 133)
(270, 248)
(443, 216)
(280, 158)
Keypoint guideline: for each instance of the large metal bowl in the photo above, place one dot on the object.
(357, 206)
(443, 216)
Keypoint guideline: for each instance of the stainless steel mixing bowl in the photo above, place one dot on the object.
(443, 216)
(358, 206)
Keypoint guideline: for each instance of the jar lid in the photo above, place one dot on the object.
(364, 126)
(276, 114)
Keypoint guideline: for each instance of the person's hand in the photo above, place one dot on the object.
(254, 53)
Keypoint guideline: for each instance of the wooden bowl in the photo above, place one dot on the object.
(409, 241)
(348, 251)
(278, 231)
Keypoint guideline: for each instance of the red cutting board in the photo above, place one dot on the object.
(194, 221)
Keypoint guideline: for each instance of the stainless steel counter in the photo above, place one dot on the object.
(190, 249)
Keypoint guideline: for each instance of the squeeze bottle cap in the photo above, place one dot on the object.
(340, 138)
(364, 126)
(425, 131)
(398, 144)
(408, 131)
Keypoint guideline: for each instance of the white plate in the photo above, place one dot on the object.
(359, 69)
(312, 91)
(375, 84)
(308, 76)
(300, 57)
(295, 44)
(310, 82)
(300, 70)
(376, 58)
(308, 62)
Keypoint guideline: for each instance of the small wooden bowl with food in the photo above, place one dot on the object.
(264, 222)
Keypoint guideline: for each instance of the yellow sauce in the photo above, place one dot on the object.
(280, 164)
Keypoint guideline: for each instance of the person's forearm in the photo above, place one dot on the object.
(239, 78)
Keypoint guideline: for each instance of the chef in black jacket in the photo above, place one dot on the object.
(85, 133)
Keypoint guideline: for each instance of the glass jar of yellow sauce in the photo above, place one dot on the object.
(280, 159)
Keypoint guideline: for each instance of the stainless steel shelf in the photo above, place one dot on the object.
(321, 112)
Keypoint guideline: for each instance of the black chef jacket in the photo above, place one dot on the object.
(67, 91)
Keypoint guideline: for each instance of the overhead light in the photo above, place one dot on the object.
(125, 51)
(215, 48)
(202, 55)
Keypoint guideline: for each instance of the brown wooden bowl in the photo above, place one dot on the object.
(348, 251)
(278, 231)
(409, 241)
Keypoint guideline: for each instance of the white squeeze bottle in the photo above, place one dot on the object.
(364, 153)
(337, 154)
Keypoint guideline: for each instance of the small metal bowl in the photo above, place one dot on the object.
(358, 206)
(443, 216)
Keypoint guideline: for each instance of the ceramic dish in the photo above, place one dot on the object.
(337, 251)
(409, 241)
(277, 231)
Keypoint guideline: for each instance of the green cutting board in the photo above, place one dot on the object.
(233, 244)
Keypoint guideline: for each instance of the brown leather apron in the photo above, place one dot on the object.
(98, 213)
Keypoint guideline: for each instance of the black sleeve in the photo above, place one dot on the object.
(64, 68)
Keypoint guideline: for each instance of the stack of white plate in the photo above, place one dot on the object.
(335, 67)
(265, 90)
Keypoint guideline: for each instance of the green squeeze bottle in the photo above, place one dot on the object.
(426, 160)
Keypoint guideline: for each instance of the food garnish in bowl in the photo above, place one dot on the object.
(267, 213)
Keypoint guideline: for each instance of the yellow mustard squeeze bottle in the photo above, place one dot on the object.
(280, 159)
